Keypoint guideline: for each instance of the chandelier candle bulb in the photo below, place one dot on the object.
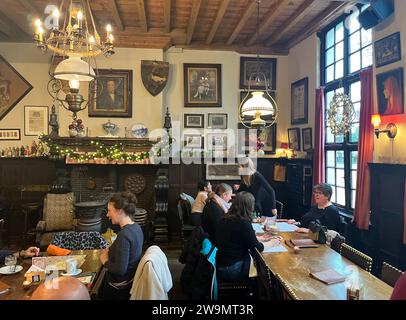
(80, 17)
(55, 13)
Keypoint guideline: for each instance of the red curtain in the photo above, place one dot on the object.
(318, 156)
(365, 151)
(404, 215)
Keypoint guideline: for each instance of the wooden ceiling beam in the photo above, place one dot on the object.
(142, 14)
(300, 13)
(275, 50)
(267, 21)
(192, 20)
(12, 30)
(220, 14)
(247, 14)
(167, 15)
(328, 15)
(116, 15)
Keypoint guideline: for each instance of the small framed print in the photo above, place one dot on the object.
(217, 120)
(10, 134)
(193, 141)
(294, 139)
(224, 171)
(217, 141)
(35, 120)
(193, 120)
(307, 139)
(299, 97)
(387, 50)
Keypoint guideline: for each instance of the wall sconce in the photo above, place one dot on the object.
(390, 130)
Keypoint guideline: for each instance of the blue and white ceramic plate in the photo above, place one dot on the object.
(139, 130)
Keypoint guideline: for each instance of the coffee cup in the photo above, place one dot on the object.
(71, 266)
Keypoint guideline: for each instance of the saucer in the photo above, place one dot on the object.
(78, 271)
(10, 269)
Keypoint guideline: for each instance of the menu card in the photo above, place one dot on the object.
(329, 276)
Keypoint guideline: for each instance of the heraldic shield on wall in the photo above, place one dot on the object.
(154, 75)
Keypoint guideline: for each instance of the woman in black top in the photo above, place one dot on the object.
(234, 237)
(121, 259)
(216, 206)
(324, 210)
(255, 183)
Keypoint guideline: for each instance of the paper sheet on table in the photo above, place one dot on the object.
(257, 227)
(268, 248)
(286, 227)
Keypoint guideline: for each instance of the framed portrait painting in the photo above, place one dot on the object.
(35, 120)
(115, 98)
(294, 139)
(217, 120)
(202, 85)
(249, 65)
(390, 92)
(268, 138)
(299, 101)
(10, 134)
(193, 120)
(13, 87)
(387, 50)
(307, 139)
(246, 139)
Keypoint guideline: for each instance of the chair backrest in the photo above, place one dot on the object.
(58, 212)
(279, 207)
(264, 276)
(359, 258)
(184, 211)
(337, 242)
(390, 274)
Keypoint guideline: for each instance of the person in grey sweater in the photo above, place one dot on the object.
(121, 259)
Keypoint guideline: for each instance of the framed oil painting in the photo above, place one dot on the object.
(202, 85)
(299, 101)
(307, 139)
(115, 98)
(193, 120)
(294, 139)
(35, 120)
(387, 50)
(249, 65)
(13, 87)
(224, 171)
(390, 92)
(246, 139)
(268, 138)
(217, 121)
(10, 134)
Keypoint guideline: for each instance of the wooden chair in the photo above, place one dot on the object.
(390, 274)
(184, 212)
(279, 207)
(265, 290)
(359, 258)
(236, 290)
(337, 242)
(285, 290)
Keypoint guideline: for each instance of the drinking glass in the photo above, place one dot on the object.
(11, 261)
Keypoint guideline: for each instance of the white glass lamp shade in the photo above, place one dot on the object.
(257, 103)
(74, 68)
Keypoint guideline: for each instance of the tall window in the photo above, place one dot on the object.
(346, 48)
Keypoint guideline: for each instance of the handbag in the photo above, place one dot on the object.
(316, 226)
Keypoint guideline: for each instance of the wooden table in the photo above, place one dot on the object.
(91, 264)
(294, 268)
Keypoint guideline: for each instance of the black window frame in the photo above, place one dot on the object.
(344, 82)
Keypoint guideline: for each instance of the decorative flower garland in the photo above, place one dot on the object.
(340, 114)
(112, 153)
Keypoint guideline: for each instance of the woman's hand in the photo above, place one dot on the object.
(291, 221)
(30, 252)
(302, 230)
(104, 256)
(236, 187)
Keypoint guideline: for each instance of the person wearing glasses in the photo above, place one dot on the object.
(324, 211)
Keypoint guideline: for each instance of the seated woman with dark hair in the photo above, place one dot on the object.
(234, 237)
(121, 259)
(324, 211)
(217, 205)
(204, 187)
